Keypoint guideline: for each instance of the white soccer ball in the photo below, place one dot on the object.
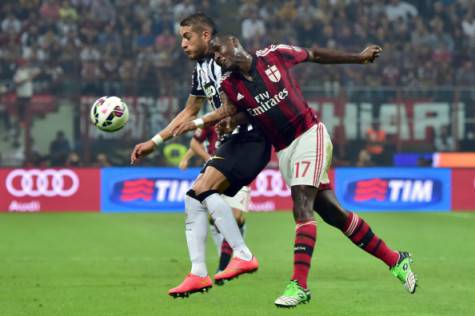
(109, 114)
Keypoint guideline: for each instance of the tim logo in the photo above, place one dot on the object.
(150, 192)
(398, 192)
(140, 189)
(366, 190)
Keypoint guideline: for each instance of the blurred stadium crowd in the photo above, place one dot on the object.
(131, 47)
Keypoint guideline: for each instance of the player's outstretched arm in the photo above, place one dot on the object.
(199, 149)
(192, 107)
(227, 109)
(183, 164)
(331, 56)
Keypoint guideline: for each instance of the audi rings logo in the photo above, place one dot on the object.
(269, 183)
(47, 182)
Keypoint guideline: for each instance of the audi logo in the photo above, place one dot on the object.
(269, 183)
(47, 182)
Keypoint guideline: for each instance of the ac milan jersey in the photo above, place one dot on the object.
(208, 135)
(206, 82)
(273, 98)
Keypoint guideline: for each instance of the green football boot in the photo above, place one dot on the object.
(402, 270)
(293, 295)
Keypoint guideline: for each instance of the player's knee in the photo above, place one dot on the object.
(303, 210)
(200, 196)
(204, 184)
(335, 218)
(303, 198)
(332, 213)
(200, 187)
(302, 215)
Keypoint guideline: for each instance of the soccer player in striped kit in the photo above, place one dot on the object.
(229, 170)
(204, 143)
(262, 85)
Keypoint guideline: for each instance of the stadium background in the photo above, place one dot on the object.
(420, 93)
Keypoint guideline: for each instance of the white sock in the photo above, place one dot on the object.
(217, 238)
(196, 230)
(223, 218)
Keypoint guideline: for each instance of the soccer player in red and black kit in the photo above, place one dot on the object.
(263, 87)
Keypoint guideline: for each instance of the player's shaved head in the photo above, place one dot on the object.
(200, 22)
(225, 39)
(228, 52)
(231, 42)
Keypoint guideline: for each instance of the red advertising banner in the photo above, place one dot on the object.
(463, 189)
(270, 193)
(50, 190)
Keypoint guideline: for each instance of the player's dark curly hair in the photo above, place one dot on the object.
(199, 21)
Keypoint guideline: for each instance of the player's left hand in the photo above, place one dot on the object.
(183, 127)
(183, 165)
(141, 150)
(370, 53)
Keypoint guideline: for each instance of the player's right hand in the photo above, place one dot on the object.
(141, 150)
(183, 127)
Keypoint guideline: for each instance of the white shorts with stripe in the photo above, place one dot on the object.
(307, 159)
(241, 200)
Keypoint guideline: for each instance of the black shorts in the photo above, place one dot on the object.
(241, 158)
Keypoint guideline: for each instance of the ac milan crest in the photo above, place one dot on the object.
(273, 73)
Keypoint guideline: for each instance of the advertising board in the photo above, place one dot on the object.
(394, 189)
(164, 189)
(463, 189)
(145, 189)
(270, 193)
(53, 190)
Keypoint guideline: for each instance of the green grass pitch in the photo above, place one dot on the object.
(123, 264)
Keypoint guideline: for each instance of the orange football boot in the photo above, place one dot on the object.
(235, 268)
(190, 285)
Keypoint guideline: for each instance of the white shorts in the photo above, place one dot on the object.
(307, 159)
(241, 200)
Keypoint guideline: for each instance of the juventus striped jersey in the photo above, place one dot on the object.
(273, 98)
(206, 82)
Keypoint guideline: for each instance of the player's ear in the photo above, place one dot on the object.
(207, 35)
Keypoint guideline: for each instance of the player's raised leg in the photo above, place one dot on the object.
(196, 228)
(361, 234)
(216, 236)
(207, 190)
(225, 252)
(239, 204)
